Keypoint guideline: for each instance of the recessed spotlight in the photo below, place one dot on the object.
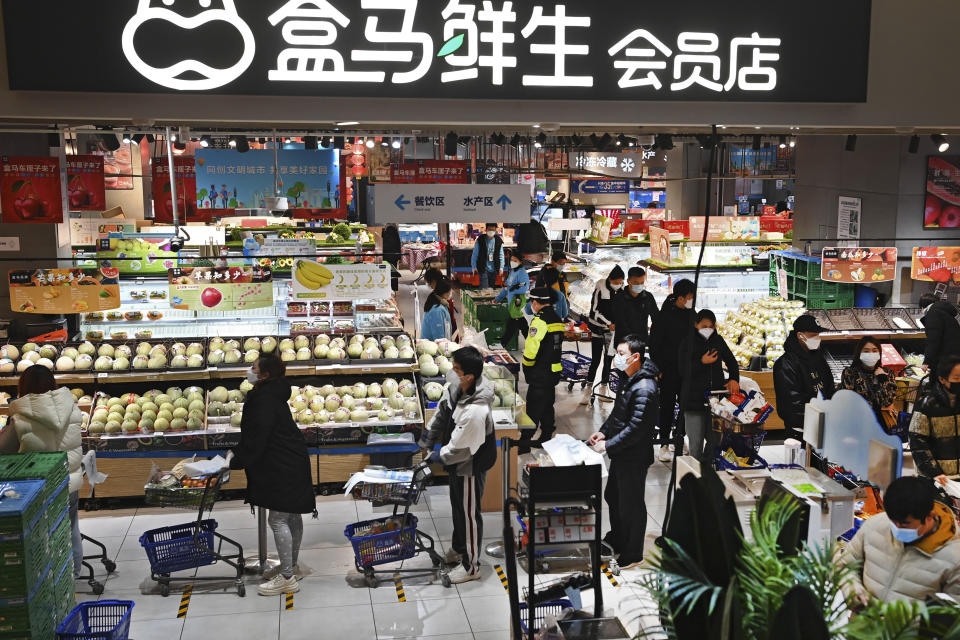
(941, 141)
(792, 143)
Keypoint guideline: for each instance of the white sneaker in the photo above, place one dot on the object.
(279, 586)
(451, 557)
(461, 575)
(665, 455)
(605, 393)
(273, 572)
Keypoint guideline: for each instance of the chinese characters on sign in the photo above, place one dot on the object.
(186, 179)
(86, 190)
(431, 172)
(221, 288)
(340, 281)
(858, 264)
(450, 203)
(936, 264)
(30, 190)
(64, 290)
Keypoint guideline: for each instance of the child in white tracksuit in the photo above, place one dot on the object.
(463, 425)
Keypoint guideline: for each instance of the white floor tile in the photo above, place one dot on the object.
(143, 629)
(258, 625)
(152, 607)
(419, 619)
(488, 613)
(335, 561)
(130, 576)
(330, 591)
(103, 525)
(344, 622)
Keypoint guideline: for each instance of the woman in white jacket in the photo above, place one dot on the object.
(47, 419)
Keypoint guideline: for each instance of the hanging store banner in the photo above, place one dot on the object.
(186, 180)
(30, 190)
(936, 264)
(725, 229)
(363, 281)
(615, 165)
(54, 291)
(686, 50)
(433, 172)
(942, 206)
(602, 185)
(859, 264)
(220, 288)
(418, 204)
(379, 167)
(86, 190)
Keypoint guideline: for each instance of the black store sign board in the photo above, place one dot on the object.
(678, 50)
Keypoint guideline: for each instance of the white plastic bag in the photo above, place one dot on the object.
(474, 338)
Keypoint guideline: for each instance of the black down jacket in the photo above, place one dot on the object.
(273, 452)
(629, 429)
(705, 377)
(797, 377)
(943, 333)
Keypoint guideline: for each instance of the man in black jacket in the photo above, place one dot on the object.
(626, 437)
(633, 307)
(557, 262)
(942, 327)
(670, 328)
(800, 374)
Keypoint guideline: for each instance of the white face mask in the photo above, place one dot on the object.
(812, 343)
(616, 287)
(706, 333)
(636, 288)
(688, 304)
(620, 362)
(252, 376)
(514, 264)
(490, 234)
(453, 378)
(870, 359)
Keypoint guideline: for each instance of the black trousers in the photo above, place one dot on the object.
(628, 511)
(514, 327)
(598, 354)
(466, 493)
(540, 401)
(669, 394)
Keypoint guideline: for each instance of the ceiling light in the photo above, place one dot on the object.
(338, 142)
(576, 139)
(783, 142)
(126, 138)
(349, 123)
(792, 143)
(537, 145)
(205, 141)
(914, 145)
(310, 143)
(755, 144)
(851, 143)
(663, 141)
(243, 145)
(110, 141)
(138, 138)
(541, 139)
(232, 142)
(369, 143)
(515, 140)
(396, 144)
(941, 141)
(180, 146)
(536, 126)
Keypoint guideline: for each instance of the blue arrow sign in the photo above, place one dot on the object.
(503, 201)
(400, 202)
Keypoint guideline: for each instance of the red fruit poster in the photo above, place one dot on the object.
(30, 189)
(85, 183)
(942, 210)
(936, 264)
(221, 288)
(431, 172)
(186, 179)
(859, 264)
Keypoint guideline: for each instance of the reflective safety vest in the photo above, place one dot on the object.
(541, 354)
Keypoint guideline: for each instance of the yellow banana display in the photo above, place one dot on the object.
(313, 275)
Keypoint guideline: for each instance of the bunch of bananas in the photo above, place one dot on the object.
(312, 275)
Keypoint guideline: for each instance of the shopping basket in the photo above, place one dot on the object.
(743, 446)
(373, 545)
(541, 611)
(103, 620)
(173, 548)
(187, 497)
(575, 366)
(392, 493)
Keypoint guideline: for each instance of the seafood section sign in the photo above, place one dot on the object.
(859, 264)
(221, 288)
(315, 281)
(30, 190)
(55, 291)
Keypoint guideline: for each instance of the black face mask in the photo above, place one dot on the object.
(954, 388)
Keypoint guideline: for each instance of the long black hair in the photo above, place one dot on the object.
(864, 341)
(443, 287)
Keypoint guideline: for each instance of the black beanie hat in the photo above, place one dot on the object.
(616, 273)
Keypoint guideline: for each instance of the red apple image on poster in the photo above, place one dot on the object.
(85, 183)
(30, 190)
(210, 297)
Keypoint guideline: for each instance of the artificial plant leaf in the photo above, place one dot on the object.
(799, 617)
(451, 45)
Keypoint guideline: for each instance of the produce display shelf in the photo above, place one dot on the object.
(328, 450)
(841, 336)
(662, 268)
(646, 243)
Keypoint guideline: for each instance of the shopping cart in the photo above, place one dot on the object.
(394, 538)
(744, 439)
(575, 369)
(109, 565)
(194, 544)
(613, 386)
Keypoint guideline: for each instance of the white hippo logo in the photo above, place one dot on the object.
(197, 75)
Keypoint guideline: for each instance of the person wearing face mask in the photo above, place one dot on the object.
(634, 307)
(670, 328)
(558, 260)
(909, 553)
(560, 305)
(463, 425)
(601, 325)
(432, 277)
(935, 425)
(514, 293)
(941, 324)
(626, 438)
(866, 377)
(541, 365)
(706, 352)
(274, 455)
(487, 258)
(436, 323)
(800, 374)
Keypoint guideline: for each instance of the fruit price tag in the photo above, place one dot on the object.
(102, 375)
(366, 369)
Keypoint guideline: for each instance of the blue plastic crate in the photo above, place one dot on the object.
(103, 620)
(172, 549)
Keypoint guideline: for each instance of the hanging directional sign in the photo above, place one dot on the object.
(450, 203)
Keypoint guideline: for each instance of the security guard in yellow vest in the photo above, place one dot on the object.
(541, 365)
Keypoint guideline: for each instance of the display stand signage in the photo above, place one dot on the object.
(30, 190)
(600, 228)
(660, 245)
(450, 203)
(859, 264)
(936, 264)
(314, 281)
(220, 288)
(849, 211)
(776, 224)
(723, 228)
(55, 291)
(86, 190)
(686, 50)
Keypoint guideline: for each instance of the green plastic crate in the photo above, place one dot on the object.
(60, 546)
(842, 301)
(49, 467)
(22, 563)
(18, 515)
(29, 614)
(64, 593)
(56, 505)
(495, 331)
